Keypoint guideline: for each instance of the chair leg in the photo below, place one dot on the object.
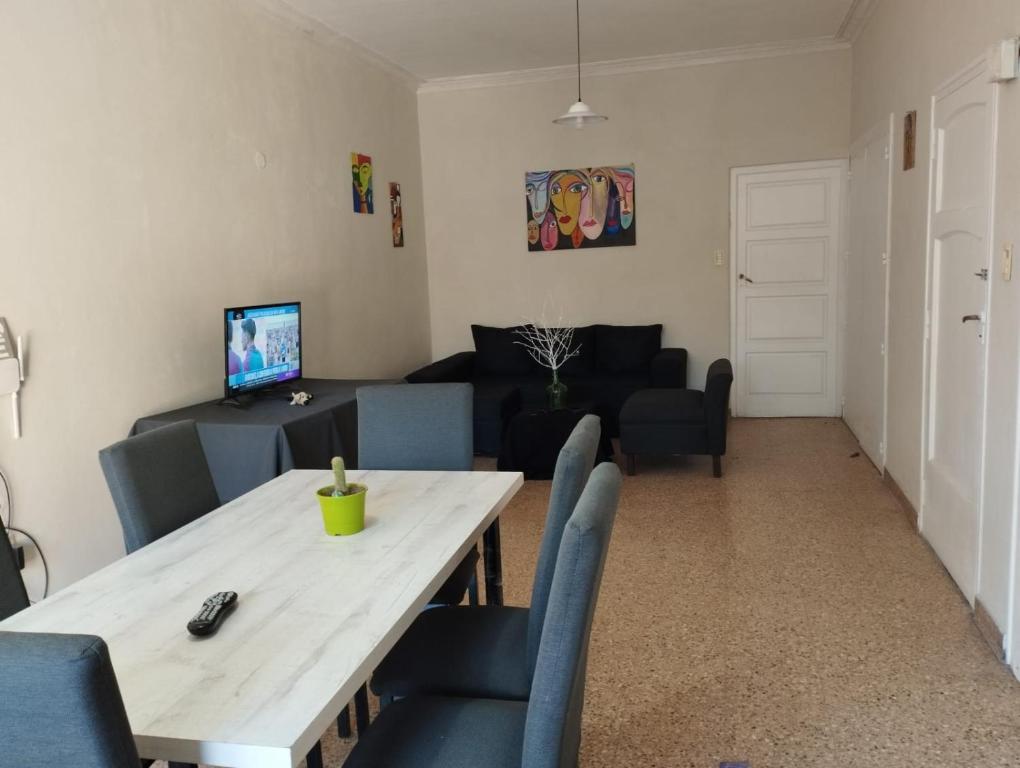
(717, 466)
(314, 758)
(343, 723)
(473, 590)
(631, 464)
(361, 710)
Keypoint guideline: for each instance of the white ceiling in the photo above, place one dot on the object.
(452, 38)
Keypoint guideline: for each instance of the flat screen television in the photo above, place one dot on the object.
(262, 346)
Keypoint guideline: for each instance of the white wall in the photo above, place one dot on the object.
(132, 212)
(908, 48)
(683, 128)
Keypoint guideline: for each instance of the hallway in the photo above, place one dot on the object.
(786, 615)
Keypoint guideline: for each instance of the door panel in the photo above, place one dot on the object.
(867, 291)
(963, 137)
(786, 240)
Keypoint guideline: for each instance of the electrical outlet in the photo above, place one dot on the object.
(718, 257)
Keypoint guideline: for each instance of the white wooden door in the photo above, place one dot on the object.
(867, 290)
(786, 230)
(963, 120)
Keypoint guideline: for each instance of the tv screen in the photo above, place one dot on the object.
(263, 346)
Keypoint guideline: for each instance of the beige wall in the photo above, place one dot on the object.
(909, 48)
(683, 128)
(132, 212)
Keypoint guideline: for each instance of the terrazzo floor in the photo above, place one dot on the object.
(785, 615)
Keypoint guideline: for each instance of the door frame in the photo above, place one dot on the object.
(843, 164)
(976, 69)
(881, 128)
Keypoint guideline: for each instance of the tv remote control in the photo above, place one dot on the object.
(214, 610)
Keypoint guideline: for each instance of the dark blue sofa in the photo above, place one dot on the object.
(614, 362)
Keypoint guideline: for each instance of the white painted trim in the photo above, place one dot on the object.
(633, 65)
(841, 163)
(856, 19)
(284, 12)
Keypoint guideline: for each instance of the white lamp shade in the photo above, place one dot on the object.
(579, 115)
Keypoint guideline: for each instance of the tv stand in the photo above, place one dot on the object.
(247, 399)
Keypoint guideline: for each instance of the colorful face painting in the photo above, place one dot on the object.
(397, 213)
(580, 208)
(537, 187)
(361, 183)
(625, 192)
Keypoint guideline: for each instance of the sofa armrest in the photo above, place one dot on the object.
(455, 368)
(717, 404)
(669, 369)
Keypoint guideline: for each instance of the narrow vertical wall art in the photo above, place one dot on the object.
(397, 212)
(361, 182)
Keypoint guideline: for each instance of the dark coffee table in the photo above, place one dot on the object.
(535, 436)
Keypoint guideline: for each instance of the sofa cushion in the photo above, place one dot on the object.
(497, 352)
(664, 406)
(626, 348)
(584, 363)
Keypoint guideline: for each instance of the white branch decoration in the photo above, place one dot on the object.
(549, 345)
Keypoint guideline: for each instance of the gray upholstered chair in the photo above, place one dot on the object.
(415, 426)
(160, 481)
(490, 651)
(421, 427)
(545, 732)
(60, 704)
(13, 597)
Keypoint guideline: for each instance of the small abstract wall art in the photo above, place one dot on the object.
(580, 208)
(397, 212)
(361, 182)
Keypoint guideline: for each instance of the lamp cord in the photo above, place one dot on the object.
(578, 17)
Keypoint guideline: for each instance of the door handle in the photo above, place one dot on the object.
(745, 277)
(968, 318)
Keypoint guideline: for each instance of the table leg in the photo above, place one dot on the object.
(361, 710)
(314, 758)
(343, 723)
(493, 565)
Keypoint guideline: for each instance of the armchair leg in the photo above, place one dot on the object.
(631, 464)
(717, 466)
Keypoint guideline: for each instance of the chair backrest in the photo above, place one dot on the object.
(13, 597)
(573, 467)
(416, 426)
(552, 731)
(160, 481)
(60, 704)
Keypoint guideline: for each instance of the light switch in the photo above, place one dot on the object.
(1007, 262)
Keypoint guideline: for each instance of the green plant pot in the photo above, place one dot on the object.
(343, 515)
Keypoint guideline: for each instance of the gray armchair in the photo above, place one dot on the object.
(60, 704)
(491, 651)
(544, 732)
(159, 481)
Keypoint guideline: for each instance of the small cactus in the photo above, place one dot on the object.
(339, 477)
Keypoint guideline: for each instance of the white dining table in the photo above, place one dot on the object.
(315, 613)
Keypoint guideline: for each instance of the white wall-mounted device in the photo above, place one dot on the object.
(1004, 60)
(12, 372)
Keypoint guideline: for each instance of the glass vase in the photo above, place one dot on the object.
(557, 392)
